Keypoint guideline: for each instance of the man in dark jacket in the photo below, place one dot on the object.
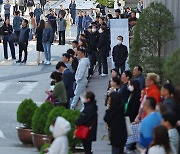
(68, 79)
(62, 11)
(120, 54)
(37, 13)
(137, 75)
(52, 20)
(42, 2)
(93, 41)
(23, 41)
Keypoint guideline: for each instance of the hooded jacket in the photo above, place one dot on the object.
(60, 144)
(82, 70)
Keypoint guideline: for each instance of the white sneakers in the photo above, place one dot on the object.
(47, 62)
(103, 75)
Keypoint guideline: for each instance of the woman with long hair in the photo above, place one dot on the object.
(39, 46)
(161, 143)
(6, 35)
(132, 105)
(88, 118)
(115, 120)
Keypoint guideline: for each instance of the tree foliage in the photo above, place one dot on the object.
(154, 28)
(25, 112)
(172, 67)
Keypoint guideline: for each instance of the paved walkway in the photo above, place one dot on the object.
(98, 85)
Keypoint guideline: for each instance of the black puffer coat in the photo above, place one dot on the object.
(88, 118)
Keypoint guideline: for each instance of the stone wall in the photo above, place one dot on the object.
(174, 7)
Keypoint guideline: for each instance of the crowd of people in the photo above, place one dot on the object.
(129, 95)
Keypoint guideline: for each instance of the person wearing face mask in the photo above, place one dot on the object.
(59, 129)
(132, 105)
(89, 118)
(93, 39)
(103, 48)
(120, 54)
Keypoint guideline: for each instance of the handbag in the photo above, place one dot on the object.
(128, 126)
(82, 131)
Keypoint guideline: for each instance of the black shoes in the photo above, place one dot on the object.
(19, 61)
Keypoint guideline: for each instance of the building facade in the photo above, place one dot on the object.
(174, 7)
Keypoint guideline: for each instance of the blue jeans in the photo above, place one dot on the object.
(31, 33)
(47, 50)
(79, 31)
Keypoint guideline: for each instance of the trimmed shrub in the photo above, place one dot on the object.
(57, 111)
(172, 67)
(25, 112)
(72, 116)
(40, 117)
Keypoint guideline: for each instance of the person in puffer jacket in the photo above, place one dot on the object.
(59, 131)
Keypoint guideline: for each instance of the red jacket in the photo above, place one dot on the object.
(152, 91)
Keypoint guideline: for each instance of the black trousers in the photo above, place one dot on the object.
(87, 146)
(92, 59)
(21, 8)
(7, 16)
(62, 37)
(117, 150)
(122, 67)
(23, 47)
(11, 45)
(102, 63)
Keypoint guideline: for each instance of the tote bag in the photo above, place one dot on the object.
(128, 126)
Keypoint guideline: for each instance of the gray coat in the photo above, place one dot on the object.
(61, 24)
(21, 2)
(7, 8)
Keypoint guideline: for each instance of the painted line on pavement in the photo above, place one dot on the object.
(3, 86)
(27, 88)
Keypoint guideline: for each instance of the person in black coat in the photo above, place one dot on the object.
(39, 46)
(88, 118)
(72, 7)
(115, 120)
(132, 105)
(23, 41)
(6, 33)
(92, 44)
(103, 48)
(120, 54)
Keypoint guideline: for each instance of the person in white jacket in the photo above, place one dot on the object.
(81, 78)
(59, 130)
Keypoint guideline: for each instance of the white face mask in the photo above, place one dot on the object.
(130, 88)
(100, 30)
(119, 42)
(93, 30)
(83, 100)
(51, 128)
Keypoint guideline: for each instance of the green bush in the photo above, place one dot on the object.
(72, 116)
(25, 112)
(57, 111)
(40, 117)
(172, 67)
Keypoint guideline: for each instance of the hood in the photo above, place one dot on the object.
(85, 61)
(61, 127)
